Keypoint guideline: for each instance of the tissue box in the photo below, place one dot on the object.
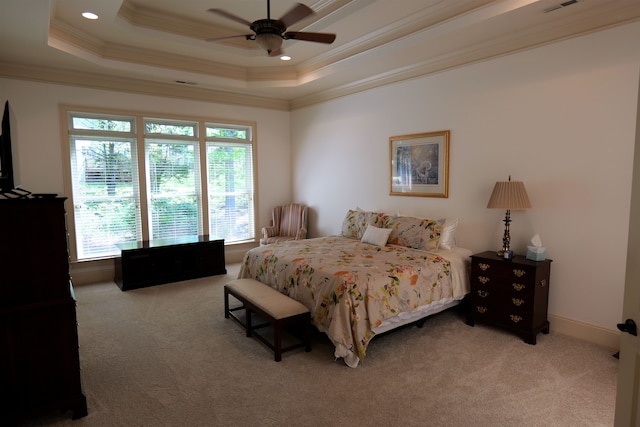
(535, 253)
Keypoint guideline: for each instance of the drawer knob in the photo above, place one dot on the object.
(543, 283)
(481, 309)
(519, 273)
(518, 286)
(483, 266)
(515, 318)
(484, 280)
(483, 294)
(517, 301)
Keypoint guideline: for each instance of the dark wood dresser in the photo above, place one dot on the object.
(39, 358)
(512, 294)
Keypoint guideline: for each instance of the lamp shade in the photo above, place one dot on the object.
(509, 195)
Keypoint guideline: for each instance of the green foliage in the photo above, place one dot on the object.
(88, 123)
(170, 129)
(170, 164)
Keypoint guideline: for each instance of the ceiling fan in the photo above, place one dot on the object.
(269, 33)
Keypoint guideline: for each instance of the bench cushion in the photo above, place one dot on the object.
(267, 299)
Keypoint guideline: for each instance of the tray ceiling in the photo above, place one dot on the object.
(161, 47)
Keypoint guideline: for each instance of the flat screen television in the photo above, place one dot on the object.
(7, 154)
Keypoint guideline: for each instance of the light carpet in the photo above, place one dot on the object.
(166, 356)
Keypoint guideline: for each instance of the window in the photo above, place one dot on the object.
(141, 178)
(230, 182)
(173, 178)
(104, 178)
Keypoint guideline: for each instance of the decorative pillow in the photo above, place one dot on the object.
(356, 221)
(448, 235)
(376, 236)
(417, 233)
(379, 219)
(354, 224)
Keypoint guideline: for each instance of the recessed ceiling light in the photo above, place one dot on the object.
(285, 58)
(89, 15)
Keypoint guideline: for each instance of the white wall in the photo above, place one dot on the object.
(35, 108)
(561, 118)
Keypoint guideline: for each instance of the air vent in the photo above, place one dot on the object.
(560, 6)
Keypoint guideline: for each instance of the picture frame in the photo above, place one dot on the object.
(419, 164)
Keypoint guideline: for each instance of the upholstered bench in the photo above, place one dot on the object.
(277, 308)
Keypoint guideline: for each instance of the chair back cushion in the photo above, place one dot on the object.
(292, 218)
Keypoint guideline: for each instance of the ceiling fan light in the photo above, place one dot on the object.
(269, 41)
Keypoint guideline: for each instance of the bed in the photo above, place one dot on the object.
(383, 271)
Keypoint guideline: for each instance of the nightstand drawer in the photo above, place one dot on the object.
(489, 282)
(504, 269)
(507, 318)
(503, 300)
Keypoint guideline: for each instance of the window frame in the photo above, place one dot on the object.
(139, 120)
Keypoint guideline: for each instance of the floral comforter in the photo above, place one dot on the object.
(351, 287)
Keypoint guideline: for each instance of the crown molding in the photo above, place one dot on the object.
(144, 87)
(489, 49)
(65, 34)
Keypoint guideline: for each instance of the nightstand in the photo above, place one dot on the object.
(511, 294)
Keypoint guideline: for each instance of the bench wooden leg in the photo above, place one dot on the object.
(226, 303)
(248, 319)
(277, 340)
(307, 335)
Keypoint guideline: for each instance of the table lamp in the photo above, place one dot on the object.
(508, 195)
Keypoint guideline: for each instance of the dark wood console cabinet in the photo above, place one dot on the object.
(159, 261)
(39, 358)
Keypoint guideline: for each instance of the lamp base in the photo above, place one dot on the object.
(506, 253)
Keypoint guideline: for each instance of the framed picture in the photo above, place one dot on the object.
(420, 164)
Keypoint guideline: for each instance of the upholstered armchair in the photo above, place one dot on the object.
(287, 223)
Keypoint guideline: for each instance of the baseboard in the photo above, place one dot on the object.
(96, 271)
(83, 273)
(594, 334)
(235, 253)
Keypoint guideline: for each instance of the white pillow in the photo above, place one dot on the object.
(448, 234)
(375, 235)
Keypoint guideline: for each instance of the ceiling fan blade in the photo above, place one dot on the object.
(298, 12)
(276, 52)
(231, 16)
(310, 37)
(244, 36)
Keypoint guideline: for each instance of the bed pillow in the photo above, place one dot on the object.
(376, 236)
(448, 236)
(355, 222)
(416, 233)
(379, 219)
